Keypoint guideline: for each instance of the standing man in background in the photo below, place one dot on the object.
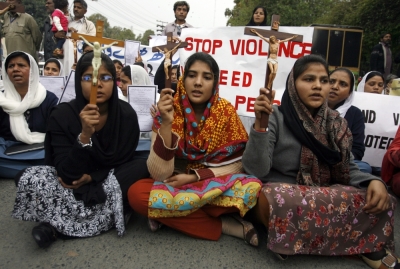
(21, 32)
(181, 9)
(381, 56)
(79, 25)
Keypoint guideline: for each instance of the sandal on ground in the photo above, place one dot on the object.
(154, 225)
(281, 257)
(250, 234)
(389, 261)
(44, 234)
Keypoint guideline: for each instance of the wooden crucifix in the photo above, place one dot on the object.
(273, 37)
(4, 7)
(169, 50)
(97, 41)
(97, 38)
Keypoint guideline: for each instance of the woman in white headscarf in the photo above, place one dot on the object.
(372, 82)
(135, 75)
(53, 67)
(25, 106)
(341, 97)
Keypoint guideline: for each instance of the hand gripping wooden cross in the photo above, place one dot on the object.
(97, 49)
(169, 50)
(275, 38)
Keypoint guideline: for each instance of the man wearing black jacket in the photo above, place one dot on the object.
(381, 56)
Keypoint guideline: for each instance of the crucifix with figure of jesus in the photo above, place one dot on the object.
(97, 41)
(273, 37)
(169, 50)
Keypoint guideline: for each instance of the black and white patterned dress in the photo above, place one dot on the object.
(41, 197)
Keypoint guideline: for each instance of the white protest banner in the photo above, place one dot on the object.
(141, 98)
(53, 84)
(131, 51)
(242, 60)
(382, 119)
(69, 91)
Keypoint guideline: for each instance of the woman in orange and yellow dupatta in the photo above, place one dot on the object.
(195, 161)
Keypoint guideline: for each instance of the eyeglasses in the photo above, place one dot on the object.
(102, 78)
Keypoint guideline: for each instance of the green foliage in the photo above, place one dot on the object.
(375, 17)
(145, 38)
(36, 9)
(292, 12)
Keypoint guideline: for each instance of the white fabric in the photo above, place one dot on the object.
(121, 96)
(57, 23)
(347, 104)
(61, 66)
(361, 85)
(139, 76)
(12, 104)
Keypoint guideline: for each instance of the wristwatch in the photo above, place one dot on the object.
(88, 145)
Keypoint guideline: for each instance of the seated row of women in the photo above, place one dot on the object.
(204, 175)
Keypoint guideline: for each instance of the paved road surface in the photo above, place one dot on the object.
(140, 248)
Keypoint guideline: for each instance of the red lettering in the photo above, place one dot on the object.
(306, 48)
(250, 104)
(235, 50)
(198, 42)
(222, 77)
(190, 45)
(247, 78)
(296, 56)
(260, 52)
(251, 43)
(240, 100)
(243, 46)
(206, 42)
(216, 44)
(276, 102)
(284, 48)
(235, 78)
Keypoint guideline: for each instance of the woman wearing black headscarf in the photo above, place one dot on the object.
(90, 153)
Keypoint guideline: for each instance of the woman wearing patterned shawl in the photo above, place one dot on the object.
(315, 199)
(195, 161)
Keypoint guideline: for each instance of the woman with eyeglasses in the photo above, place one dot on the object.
(90, 153)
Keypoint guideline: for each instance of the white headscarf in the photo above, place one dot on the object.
(12, 104)
(349, 100)
(361, 85)
(139, 76)
(61, 66)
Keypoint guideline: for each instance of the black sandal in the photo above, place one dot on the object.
(44, 234)
(250, 234)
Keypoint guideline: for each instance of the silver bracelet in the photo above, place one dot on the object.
(89, 145)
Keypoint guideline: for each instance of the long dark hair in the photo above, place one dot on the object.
(205, 58)
(263, 23)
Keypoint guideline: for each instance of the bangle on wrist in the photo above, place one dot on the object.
(88, 145)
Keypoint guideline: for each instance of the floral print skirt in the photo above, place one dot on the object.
(325, 221)
(41, 197)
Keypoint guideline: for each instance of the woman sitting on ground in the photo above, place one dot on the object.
(315, 199)
(341, 98)
(25, 107)
(53, 68)
(391, 165)
(195, 161)
(90, 153)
